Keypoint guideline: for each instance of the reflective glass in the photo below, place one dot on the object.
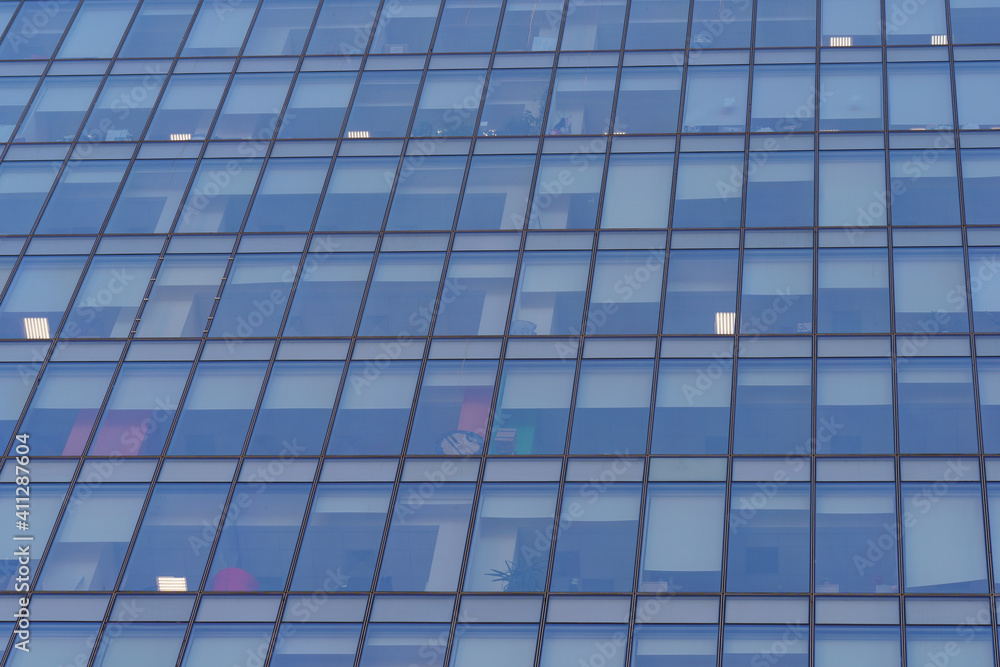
(374, 408)
(97, 29)
(255, 296)
(336, 280)
(682, 543)
(637, 193)
(648, 100)
(978, 101)
(358, 193)
(403, 294)
(36, 30)
(723, 25)
(974, 21)
(854, 406)
(58, 109)
(427, 193)
(550, 294)
(252, 106)
(495, 646)
(780, 189)
(691, 415)
(533, 407)
(567, 192)
(182, 296)
(212, 644)
(931, 643)
(150, 197)
(38, 295)
(709, 190)
(929, 290)
(657, 24)
(581, 101)
(784, 98)
(496, 192)
(701, 292)
(24, 186)
(478, 305)
(612, 407)
(769, 546)
(675, 646)
(858, 20)
(45, 502)
(516, 102)
(109, 297)
(122, 108)
(382, 104)
(405, 27)
(773, 401)
(329, 644)
(569, 644)
(924, 186)
(853, 97)
(288, 195)
(936, 407)
(782, 23)
(856, 538)
(281, 28)
(625, 292)
(985, 290)
(715, 99)
(343, 27)
(82, 197)
(861, 646)
(787, 645)
(453, 408)
(777, 291)
(852, 189)
(158, 29)
(318, 105)
(853, 290)
(530, 25)
(980, 185)
(594, 25)
(65, 406)
(219, 196)
(341, 543)
(467, 25)
(920, 96)
(404, 644)
(449, 103)
(160, 643)
(187, 107)
(218, 31)
(17, 93)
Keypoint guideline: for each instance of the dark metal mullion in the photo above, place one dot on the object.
(13, 17)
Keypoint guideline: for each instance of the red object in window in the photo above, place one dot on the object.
(234, 579)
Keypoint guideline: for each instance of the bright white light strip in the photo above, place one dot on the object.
(725, 324)
(171, 584)
(36, 327)
(939, 40)
(180, 137)
(841, 41)
(358, 134)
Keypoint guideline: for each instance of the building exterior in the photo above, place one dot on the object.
(466, 333)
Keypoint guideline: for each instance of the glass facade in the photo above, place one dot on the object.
(469, 333)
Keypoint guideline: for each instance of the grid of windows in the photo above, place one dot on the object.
(376, 333)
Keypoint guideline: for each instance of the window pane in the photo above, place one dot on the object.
(82, 197)
(358, 194)
(219, 196)
(567, 191)
(423, 551)
(594, 25)
(978, 101)
(257, 542)
(342, 537)
(773, 401)
(150, 198)
(158, 29)
(724, 25)
(625, 292)
(569, 644)
(24, 187)
(783, 23)
(657, 24)
(427, 193)
(281, 28)
(516, 102)
(383, 104)
(402, 294)
(449, 103)
(709, 190)
(780, 190)
(36, 30)
(158, 643)
(110, 296)
(637, 194)
(318, 105)
(648, 100)
(777, 291)
(675, 646)
(217, 410)
(397, 644)
(787, 646)
(58, 109)
(97, 29)
(288, 194)
(496, 192)
(171, 540)
(981, 185)
(477, 294)
(989, 404)
(296, 409)
(612, 407)
(17, 93)
(920, 96)
(374, 408)
(219, 31)
(983, 268)
(597, 553)
(213, 644)
(140, 409)
(974, 21)
(46, 502)
(405, 27)
(530, 25)
(682, 547)
(252, 106)
(123, 108)
(936, 407)
(784, 98)
(187, 107)
(453, 408)
(550, 293)
(533, 407)
(925, 187)
(768, 547)
(581, 101)
(336, 280)
(854, 406)
(701, 292)
(16, 381)
(903, 25)
(928, 644)
(852, 191)
(692, 407)
(854, 97)
(467, 25)
(860, 20)
(38, 295)
(328, 644)
(930, 290)
(182, 296)
(93, 536)
(343, 27)
(716, 97)
(944, 548)
(856, 539)
(863, 647)
(853, 290)
(495, 646)
(506, 554)
(254, 299)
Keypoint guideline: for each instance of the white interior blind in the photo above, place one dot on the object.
(683, 387)
(390, 390)
(702, 177)
(844, 272)
(637, 194)
(555, 275)
(326, 93)
(925, 279)
(772, 272)
(193, 92)
(920, 95)
(611, 272)
(13, 180)
(292, 179)
(854, 386)
(301, 389)
(989, 384)
(778, 91)
(533, 390)
(520, 506)
(946, 543)
(860, 651)
(406, 269)
(225, 387)
(614, 387)
(684, 532)
(43, 286)
(852, 17)
(257, 95)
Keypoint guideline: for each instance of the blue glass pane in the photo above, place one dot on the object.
(405, 27)
(175, 538)
(59, 108)
(532, 25)
(625, 292)
(648, 100)
(159, 643)
(327, 644)
(856, 539)
(219, 196)
(182, 296)
(854, 100)
(335, 279)
(856, 645)
(383, 104)
(212, 644)
(281, 28)
(980, 185)
(581, 101)
(550, 294)
(506, 553)
(533, 407)
(709, 190)
(989, 403)
(158, 29)
(65, 406)
(768, 539)
(673, 646)
(567, 192)
(594, 25)
(358, 194)
(24, 187)
(854, 406)
(716, 97)
(571, 644)
(773, 401)
(692, 407)
(402, 295)
(38, 295)
(343, 27)
(783, 646)
(427, 194)
(187, 107)
(936, 406)
(255, 297)
(612, 407)
(784, 98)
(516, 102)
(496, 192)
(374, 408)
(637, 193)
(783, 23)
(109, 297)
(853, 290)
(97, 29)
(977, 100)
(258, 538)
(518, 643)
(218, 31)
(342, 539)
(478, 288)
(701, 292)
(252, 105)
(17, 93)
(920, 97)
(777, 291)
(288, 195)
(449, 103)
(150, 197)
(596, 553)
(399, 644)
(296, 409)
(724, 25)
(453, 408)
(467, 25)
(929, 290)
(682, 542)
(423, 551)
(780, 189)
(974, 22)
(657, 24)
(82, 197)
(924, 186)
(36, 30)
(45, 502)
(318, 105)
